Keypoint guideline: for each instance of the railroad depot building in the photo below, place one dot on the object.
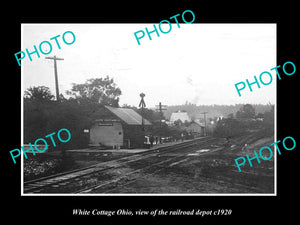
(196, 128)
(118, 128)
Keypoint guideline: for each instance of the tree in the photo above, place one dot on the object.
(229, 128)
(269, 120)
(39, 93)
(269, 115)
(99, 90)
(37, 102)
(246, 112)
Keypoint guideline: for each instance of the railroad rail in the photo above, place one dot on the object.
(89, 178)
(112, 186)
(108, 185)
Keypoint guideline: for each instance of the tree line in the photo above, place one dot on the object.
(244, 121)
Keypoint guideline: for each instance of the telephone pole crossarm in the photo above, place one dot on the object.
(54, 58)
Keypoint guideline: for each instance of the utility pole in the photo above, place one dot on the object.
(204, 113)
(55, 74)
(160, 109)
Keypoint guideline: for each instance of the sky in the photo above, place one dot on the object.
(197, 63)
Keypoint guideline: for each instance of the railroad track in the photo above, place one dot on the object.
(109, 185)
(82, 180)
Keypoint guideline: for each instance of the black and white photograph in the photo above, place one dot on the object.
(172, 115)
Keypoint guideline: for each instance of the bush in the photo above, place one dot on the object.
(34, 168)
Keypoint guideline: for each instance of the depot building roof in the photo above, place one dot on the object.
(129, 116)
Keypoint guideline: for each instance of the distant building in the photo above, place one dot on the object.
(118, 127)
(220, 118)
(182, 116)
(196, 128)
